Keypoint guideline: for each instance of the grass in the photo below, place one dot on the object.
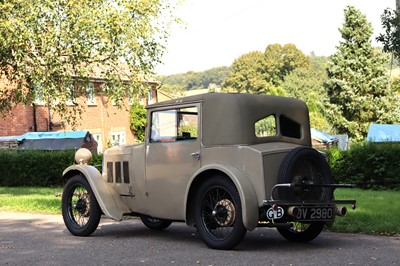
(377, 212)
(28, 199)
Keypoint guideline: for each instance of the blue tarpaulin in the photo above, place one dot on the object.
(53, 135)
(383, 133)
(322, 136)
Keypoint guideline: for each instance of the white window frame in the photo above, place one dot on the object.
(118, 138)
(90, 96)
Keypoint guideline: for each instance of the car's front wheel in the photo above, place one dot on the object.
(80, 209)
(218, 214)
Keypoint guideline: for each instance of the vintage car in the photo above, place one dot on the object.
(224, 163)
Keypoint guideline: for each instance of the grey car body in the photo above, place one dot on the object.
(225, 163)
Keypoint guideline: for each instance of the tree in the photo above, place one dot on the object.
(258, 72)
(248, 75)
(391, 38)
(282, 60)
(357, 83)
(138, 120)
(47, 45)
(308, 84)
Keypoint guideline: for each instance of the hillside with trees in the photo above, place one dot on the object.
(345, 92)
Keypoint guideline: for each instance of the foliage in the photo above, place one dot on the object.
(308, 84)
(49, 45)
(368, 165)
(191, 129)
(282, 60)
(247, 75)
(263, 73)
(36, 168)
(391, 38)
(137, 116)
(357, 83)
(209, 79)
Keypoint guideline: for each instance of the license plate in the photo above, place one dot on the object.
(315, 214)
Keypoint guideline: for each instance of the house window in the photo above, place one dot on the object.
(150, 96)
(91, 100)
(98, 139)
(117, 138)
(39, 95)
(70, 94)
(174, 125)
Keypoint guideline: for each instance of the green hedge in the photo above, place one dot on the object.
(35, 168)
(368, 165)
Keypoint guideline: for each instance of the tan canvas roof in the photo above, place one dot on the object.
(229, 119)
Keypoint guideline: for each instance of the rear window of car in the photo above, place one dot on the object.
(268, 127)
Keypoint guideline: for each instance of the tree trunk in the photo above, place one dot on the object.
(398, 6)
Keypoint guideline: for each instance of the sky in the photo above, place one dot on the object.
(216, 32)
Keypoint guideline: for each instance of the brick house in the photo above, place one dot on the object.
(107, 123)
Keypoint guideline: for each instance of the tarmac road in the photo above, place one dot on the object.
(35, 239)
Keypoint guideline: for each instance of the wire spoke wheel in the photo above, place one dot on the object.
(218, 213)
(79, 206)
(219, 218)
(80, 210)
(308, 170)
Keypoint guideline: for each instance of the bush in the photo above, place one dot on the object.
(368, 165)
(36, 168)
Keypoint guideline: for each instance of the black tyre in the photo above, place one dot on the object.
(303, 166)
(218, 214)
(301, 232)
(155, 224)
(80, 209)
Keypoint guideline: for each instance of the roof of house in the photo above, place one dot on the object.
(64, 140)
(322, 136)
(53, 135)
(383, 133)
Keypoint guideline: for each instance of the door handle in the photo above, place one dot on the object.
(196, 155)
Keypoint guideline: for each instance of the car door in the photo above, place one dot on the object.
(172, 157)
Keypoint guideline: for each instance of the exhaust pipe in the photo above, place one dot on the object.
(294, 211)
(340, 210)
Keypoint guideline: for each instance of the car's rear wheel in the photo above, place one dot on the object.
(304, 166)
(301, 232)
(80, 209)
(155, 224)
(218, 213)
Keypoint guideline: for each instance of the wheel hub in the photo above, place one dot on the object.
(224, 212)
(83, 205)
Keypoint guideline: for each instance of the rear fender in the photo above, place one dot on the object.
(245, 188)
(109, 200)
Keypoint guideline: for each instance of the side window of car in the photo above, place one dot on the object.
(266, 127)
(174, 125)
(290, 128)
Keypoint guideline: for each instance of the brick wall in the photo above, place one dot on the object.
(105, 121)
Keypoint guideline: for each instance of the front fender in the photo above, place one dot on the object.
(109, 200)
(245, 188)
